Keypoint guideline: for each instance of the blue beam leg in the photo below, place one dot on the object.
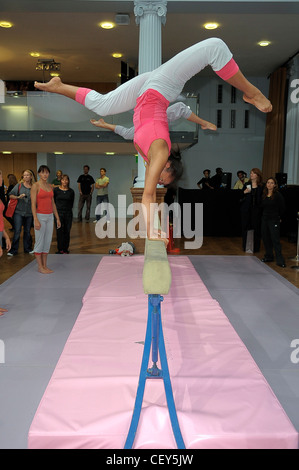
(154, 337)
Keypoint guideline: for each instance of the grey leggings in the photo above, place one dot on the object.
(43, 236)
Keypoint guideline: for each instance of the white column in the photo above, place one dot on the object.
(2, 91)
(291, 155)
(150, 15)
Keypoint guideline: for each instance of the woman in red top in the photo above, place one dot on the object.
(43, 208)
(3, 233)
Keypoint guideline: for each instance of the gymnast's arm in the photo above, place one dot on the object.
(180, 110)
(124, 132)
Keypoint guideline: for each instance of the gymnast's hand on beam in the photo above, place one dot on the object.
(159, 236)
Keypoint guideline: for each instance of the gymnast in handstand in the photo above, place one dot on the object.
(150, 94)
(174, 112)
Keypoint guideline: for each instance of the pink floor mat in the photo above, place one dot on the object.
(221, 397)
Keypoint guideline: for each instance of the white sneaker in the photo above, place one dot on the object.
(10, 254)
(31, 252)
(95, 221)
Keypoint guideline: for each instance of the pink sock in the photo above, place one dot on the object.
(81, 95)
(230, 69)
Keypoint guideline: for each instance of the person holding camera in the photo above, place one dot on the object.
(23, 214)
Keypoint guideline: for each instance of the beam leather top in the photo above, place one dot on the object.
(156, 269)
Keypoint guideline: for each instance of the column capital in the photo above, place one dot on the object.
(142, 7)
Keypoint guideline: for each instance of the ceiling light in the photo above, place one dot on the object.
(110, 153)
(117, 55)
(107, 25)
(211, 25)
(47, 64)
(264, 43)
(5, 24)
(55, 74)
(6, 153)
(58, 153)
(34, 54)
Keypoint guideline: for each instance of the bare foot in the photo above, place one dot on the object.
(2, 311)
(52, 86)
(208, 125)
(45, 270)
(260, 102)
(49, 270)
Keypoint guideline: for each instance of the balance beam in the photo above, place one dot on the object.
(156, 269)
(156, 281)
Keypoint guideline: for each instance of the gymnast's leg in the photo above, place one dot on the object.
(170, 78)
(120, 100)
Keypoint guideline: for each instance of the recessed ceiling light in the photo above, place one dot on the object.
(5, 24)
(110, 153)
(117, 55)
(107, 25)
(54, 74)
(6, 153)
(34, 54)
(58, 153)
(211, 25)
(264, 43)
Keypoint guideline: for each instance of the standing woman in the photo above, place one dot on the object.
(23, 214)
(273, 206)
(64, 199)
(251, 208)
(43, 208)
(3, 233)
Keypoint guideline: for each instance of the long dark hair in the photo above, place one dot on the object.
(275, 189)
(176, 167)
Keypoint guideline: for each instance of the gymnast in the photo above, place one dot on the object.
(150, 94)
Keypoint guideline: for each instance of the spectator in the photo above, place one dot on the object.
(64, 199)
(86, 187)
(273, 207)
(102, 196)
(241, 180)
(205, 182)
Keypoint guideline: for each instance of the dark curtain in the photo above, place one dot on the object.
(275, 125)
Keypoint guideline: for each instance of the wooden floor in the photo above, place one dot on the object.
(85, 241)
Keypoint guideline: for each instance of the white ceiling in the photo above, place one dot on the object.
(67, 31)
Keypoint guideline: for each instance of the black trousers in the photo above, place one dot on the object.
(63, 233)
(251, 220)
(271, 239)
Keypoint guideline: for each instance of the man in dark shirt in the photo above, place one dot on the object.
(86, 187)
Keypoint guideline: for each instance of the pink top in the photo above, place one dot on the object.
(150, 121)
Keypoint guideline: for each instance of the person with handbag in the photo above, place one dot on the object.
(3, 233)
(22, 216)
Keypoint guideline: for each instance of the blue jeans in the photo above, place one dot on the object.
(103, 199)
(19, 221)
